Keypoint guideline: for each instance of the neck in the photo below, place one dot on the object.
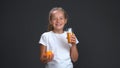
(58, 31)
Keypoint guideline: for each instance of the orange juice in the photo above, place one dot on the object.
(69, 34)
(68, 37)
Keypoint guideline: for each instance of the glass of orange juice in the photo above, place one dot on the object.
(69, 33)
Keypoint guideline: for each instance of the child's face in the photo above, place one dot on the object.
(58, 20)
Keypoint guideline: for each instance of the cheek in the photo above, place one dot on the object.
(64, 22)
(52, 22)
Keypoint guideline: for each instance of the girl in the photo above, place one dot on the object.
(55, 40)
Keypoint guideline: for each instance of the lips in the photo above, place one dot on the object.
(58, 24)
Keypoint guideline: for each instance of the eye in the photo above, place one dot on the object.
(61, 18)
(53, 18)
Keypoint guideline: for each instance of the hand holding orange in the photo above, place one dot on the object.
(49, 55)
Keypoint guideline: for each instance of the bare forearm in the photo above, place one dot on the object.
(43, 58)
(74, 53)
(42, 54)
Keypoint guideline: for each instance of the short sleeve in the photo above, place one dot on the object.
(77, 41)
(43, 40)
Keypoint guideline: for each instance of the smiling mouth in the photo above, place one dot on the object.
(58, 24)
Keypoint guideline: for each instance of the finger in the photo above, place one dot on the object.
(73, 38)
(74, 35)
(52, 56)
(49, 58)
(73, 41)
(44, 58)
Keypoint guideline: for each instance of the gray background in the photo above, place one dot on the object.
(95, 23)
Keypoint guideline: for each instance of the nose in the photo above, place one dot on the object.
(58, 20)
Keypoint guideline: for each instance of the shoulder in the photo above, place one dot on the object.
(65, 32)
(46, 33)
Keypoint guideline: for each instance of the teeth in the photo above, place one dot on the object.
(58, 24)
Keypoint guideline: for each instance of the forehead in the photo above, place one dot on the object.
(58, 13)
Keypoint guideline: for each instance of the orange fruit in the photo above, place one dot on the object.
(48, 53)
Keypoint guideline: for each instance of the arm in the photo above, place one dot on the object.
(42, 54)
(44, 58)
(73, 49)
(74, 53)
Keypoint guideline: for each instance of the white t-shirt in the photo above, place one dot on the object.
(58, 44)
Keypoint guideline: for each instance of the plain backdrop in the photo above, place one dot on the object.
(95, 23)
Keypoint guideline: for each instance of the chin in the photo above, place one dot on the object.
(59, 28)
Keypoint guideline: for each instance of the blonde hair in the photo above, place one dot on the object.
(50, 27)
